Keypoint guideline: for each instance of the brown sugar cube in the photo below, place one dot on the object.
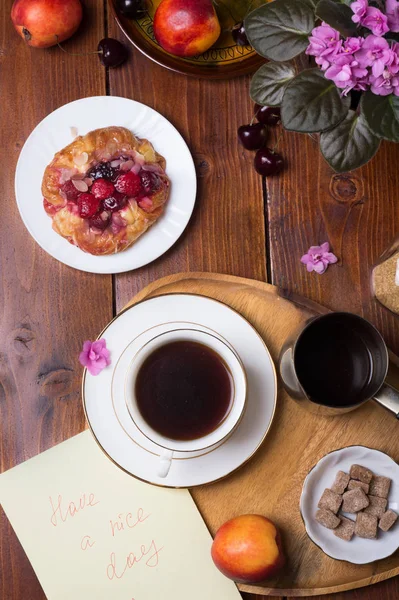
(345, 529)
(387, 520)
(330, 500)
(379, 486)
(377, 506)
(366, 526)
(340, 483)
(354, 500)
(358, 484)
(327, 518)
(360, 473)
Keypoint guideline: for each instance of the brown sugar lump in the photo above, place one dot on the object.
(360, 473)
(354, 500)
(387, 520)
(345, 529)
(341, 482)
(379, 486)
(377, 506)
(358, 484)
(366, 526)
(327, 518)
(330, 501)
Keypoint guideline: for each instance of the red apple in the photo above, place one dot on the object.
(43, 23)
(248, 549)
(186, 27)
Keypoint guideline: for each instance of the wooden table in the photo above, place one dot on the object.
(241, 225)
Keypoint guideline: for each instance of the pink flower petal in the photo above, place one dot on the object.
(320, 267)
(306, 259)
(95, 356)
(310, 267)
(325, 247)
(330, 257)
(315, 250)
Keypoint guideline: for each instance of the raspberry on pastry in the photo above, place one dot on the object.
(105, 189)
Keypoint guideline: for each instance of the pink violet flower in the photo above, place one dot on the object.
(376, 21)
(318, 258)
(359, 8)
(95, 356)
(392, 11)
(374, 53)
(323, 44)
(385, 84)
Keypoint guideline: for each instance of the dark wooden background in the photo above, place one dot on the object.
(241, 226)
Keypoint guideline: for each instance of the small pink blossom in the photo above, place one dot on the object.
(318, 258)
(392, 10)
(95, 356)
(376, 21)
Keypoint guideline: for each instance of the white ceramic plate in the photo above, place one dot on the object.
(358, 551)
(54, 133)
(104, 399)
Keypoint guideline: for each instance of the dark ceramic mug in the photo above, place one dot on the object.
(336, 362)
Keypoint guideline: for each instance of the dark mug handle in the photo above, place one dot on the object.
(388, 397)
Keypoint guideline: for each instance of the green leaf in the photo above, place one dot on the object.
(350, 144)
(338, 16)
(312, 103)
(310, 3)
(279, 30)
(269, 83)
(382, 115)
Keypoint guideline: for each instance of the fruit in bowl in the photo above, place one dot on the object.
(248, 549)
(44, 23)
(186, 27)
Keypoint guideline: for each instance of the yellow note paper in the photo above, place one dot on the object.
(92, 532)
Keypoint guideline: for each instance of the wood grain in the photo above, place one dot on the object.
(47, 309)
(358, 214)
(271, 482)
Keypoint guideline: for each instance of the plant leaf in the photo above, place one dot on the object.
(310, 3)
(382, 115)
(337, 15)
(350, 144)
(312, 103)
(279, 30)
(269, 83)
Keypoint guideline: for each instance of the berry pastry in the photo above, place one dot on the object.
(105, 190)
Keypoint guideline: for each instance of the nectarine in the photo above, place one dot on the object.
(186, 27)
(43, 23)
(248, 549)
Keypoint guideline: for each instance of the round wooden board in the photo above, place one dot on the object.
(271, 483)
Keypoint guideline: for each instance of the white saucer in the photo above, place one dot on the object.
(358, 551)
(54, 133)
(104, 399)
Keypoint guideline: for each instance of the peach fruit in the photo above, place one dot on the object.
(248, 549)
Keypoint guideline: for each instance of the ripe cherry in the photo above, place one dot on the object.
(132, 9)
(239, 34)
(268, 115)
(111, 52)
(267, 162)
(252, 137)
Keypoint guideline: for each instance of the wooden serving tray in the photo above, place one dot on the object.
(270, 484)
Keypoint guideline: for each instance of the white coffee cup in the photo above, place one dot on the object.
(238, 390)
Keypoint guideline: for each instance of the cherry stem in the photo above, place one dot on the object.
(77, 53)
(278, 141)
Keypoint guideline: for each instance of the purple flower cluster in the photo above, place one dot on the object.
(360, 63)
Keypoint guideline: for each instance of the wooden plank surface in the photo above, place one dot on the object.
(47, 309)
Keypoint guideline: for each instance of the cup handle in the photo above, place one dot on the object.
(388, 397)
(165, 462)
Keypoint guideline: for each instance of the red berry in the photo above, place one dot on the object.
(149, 181)
(70, 191)
(128, 184)
(102, 188)
(100, 221)
(267, 162)
(88, 205)
(114, 202)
